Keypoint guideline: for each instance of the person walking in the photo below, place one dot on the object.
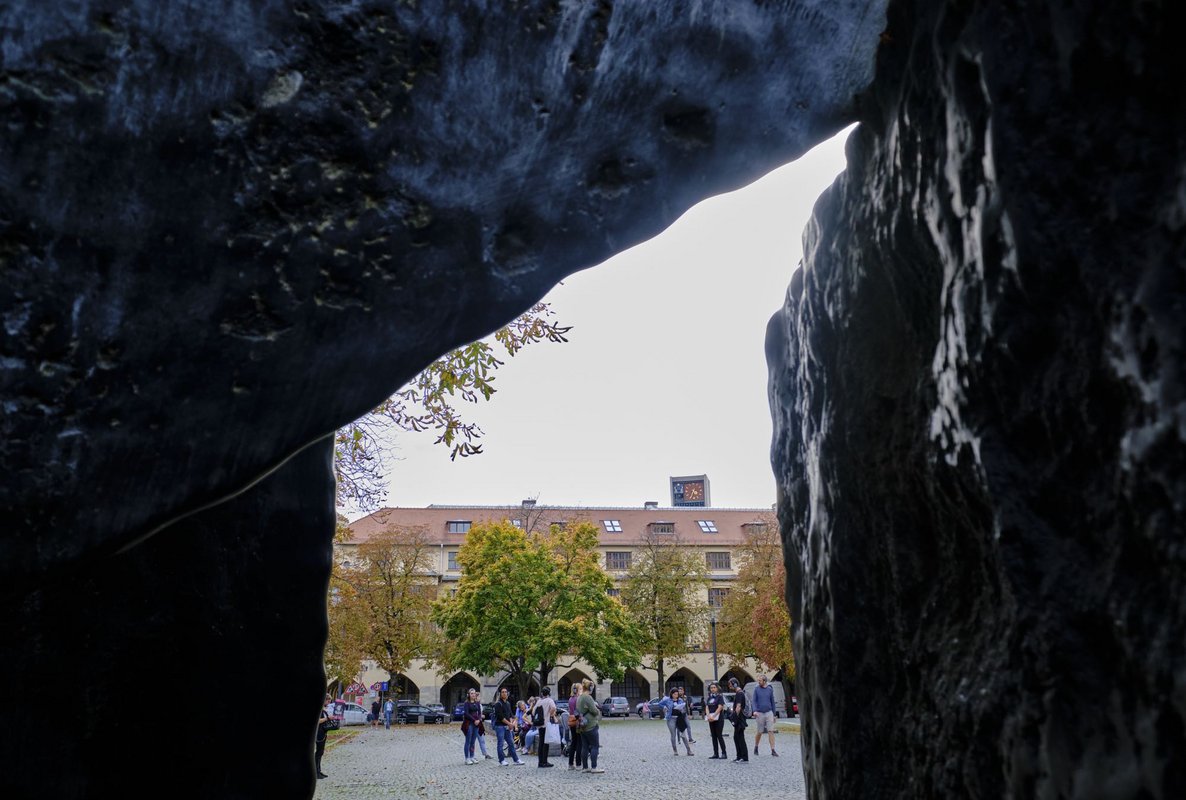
(714, 712)
(576, 743)
(388, 710)
(545, 714)
(739, 723)
(471, 725)
(504, 725)
(323, 724)
(589, 728)
(764, 713)
(376, 710)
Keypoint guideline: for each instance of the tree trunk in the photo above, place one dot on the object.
(659, 669)
(544, 668)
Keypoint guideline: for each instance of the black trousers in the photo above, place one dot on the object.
(739, 743)
(576, 746)
(542, 747)
(716, 731)
(318, 752)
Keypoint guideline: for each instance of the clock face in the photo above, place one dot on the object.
(687, 493)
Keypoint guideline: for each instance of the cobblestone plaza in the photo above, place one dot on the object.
(425, 761)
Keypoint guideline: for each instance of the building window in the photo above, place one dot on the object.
(718, 560)
(617, 561)
(716, 597)
(459, 525)
(754, 527)
(662, 527)
(453, 560)
(518, 523)
(707, 525)
(614, 592)
(612, 525)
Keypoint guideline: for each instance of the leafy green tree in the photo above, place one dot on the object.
(426, 404)
(526, 599)
(382, 603)
(663, 593)
(754, 616)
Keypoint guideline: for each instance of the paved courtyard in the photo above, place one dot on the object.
(425, 761)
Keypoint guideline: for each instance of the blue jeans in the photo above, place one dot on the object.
(471, 738)
(503, 733)
(387, 719)
(531, 734)
(592, 741)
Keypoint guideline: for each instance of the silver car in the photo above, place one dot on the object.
(615, 707)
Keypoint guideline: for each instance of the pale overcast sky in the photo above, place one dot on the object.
(664, 372)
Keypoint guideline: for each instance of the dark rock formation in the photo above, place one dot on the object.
(228, 227)
(980, 413)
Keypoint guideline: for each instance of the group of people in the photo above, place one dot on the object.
(381, 713)
(677, 711)
(538, 723)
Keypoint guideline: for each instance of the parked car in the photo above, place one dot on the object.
(412, 714)
(795, 705)
(459, 711)
(488, 711)
(350, 713)
(615, 707)
(436, 707)
(780, 698)
(649, 709)
(697, 705)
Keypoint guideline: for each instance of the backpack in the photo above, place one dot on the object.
(537, 716)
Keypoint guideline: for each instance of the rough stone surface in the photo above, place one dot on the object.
(228, 227)
(977, 383)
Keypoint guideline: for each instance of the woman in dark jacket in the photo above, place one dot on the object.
(471, 725)
(739, 723)
(714, 712)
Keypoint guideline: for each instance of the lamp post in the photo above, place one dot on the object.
(713, 621)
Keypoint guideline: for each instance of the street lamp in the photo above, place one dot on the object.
(713, 620)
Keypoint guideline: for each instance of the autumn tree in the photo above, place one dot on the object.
(527, 599)
(754, 619)
(381, 603)
(663, 593)
(427, 404)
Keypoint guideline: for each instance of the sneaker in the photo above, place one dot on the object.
(586, 769)
(545, 766)
(597, 770)
(469, 761)
(571, 767)
(520, 763)
(504, 763)
(486, 756)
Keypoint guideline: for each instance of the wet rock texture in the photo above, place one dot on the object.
(980, 408)
(227, 227)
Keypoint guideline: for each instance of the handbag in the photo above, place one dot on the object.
(552, 733)
(574, 720)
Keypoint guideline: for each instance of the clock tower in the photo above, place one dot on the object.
(689, 490)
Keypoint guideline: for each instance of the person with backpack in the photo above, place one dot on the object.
(739, 723)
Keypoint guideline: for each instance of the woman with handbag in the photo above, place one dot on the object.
(576, 742)
(471, 725)
(323, 725)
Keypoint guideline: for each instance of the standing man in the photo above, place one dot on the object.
(319, 740)
(504, 723)
(376, 709)
(764, 713)
(388, 710)
(738, 719)
(545, 713)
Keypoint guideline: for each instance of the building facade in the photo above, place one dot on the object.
(717, 533)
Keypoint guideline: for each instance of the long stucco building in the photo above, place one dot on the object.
(716, 532)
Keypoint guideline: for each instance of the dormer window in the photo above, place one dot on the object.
(459, 525)
(662, 527)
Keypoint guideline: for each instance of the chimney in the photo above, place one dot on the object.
(650, 504)
(529, 503)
